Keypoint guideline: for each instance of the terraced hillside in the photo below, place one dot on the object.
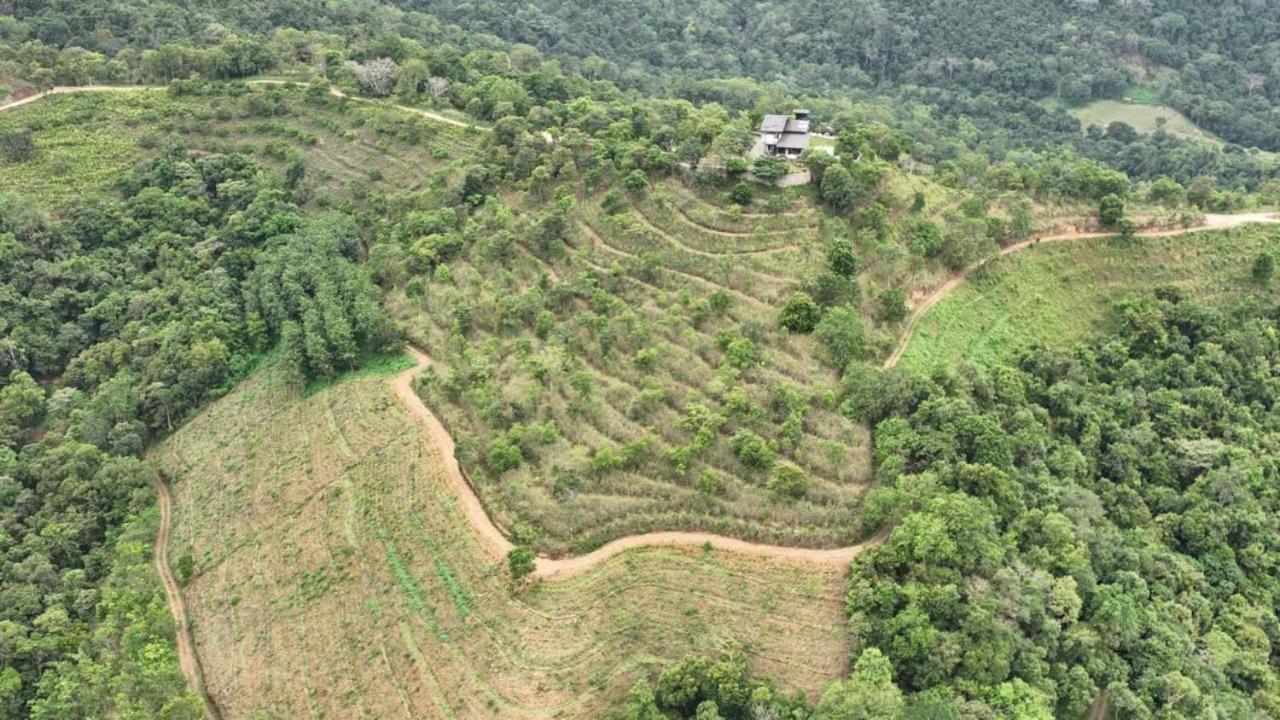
(341, 579)
(633, 364)
(351, 150)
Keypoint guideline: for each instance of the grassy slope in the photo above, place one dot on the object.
(86, 141)
(1141, 116)
(336, 576)
(1059, 293)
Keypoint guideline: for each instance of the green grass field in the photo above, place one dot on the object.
(1060, 293)
(1141, 115)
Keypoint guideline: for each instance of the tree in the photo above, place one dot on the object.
(521, 562)
(841, 335)
(842, 259)
(740, 194)
(1110, 210)
(21, 402)
(437, 86)
(817, 163)
(377, 77)
(799, 314)
(1263, 268)
(868, 694)
(838, 189)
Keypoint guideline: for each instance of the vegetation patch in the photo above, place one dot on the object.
(1141, 116)
(1059, 293)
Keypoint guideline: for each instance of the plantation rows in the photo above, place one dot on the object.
(646, 387)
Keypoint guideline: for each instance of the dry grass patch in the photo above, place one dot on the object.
(322, 528)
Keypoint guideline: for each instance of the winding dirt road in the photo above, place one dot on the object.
(1211, 222)
(188, 660)
(498, 545)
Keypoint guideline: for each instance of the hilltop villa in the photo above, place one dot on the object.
(785, 136)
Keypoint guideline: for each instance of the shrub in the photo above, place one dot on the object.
(742, 354)
(635, 181)
(788, 481)
(710, 483)
(842, 336)
(926, 239)
(613, 203)
(751, 449)
(504, 455)
(186, 568)
(520, 561)
(768, 168)
(17, 145)
(799, 314)
(1263, 268)
(741, 193)
(893, 305)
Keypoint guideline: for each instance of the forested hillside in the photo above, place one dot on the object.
(632, 329)
(120, 318)
(1214, 61)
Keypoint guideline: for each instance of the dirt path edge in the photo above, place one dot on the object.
(498, 544)
(188, 660)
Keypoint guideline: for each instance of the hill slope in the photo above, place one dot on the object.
(341, 578)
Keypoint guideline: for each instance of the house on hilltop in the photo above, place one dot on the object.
(784, 136)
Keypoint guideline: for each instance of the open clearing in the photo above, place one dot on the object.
(1059, 292)
(1141, 117)
(350, 548)
(88, 138)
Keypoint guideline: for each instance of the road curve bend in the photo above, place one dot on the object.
(498, 544)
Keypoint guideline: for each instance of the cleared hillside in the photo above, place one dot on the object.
(335, 575)
(1060, 293)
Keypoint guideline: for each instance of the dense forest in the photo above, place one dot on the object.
(969, 82)
(1213, 61)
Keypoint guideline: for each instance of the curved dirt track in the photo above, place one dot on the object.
(1211, 222)
(499, 545)
(640, 217)
(188, 660)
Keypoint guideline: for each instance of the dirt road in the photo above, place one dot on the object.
(498, 545)
(1211, 222)
(187, 658)
(334, 91)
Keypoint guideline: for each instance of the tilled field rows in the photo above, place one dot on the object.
(337, 577)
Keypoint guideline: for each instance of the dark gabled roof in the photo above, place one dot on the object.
(797, 126)
(794, 141)
(773, 124)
